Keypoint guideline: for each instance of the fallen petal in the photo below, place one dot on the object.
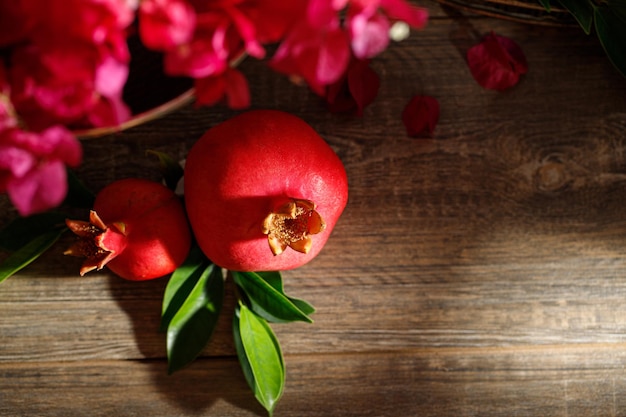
(420, 116)
(497, 62)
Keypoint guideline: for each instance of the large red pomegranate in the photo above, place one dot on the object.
(137, 228)
(263, 191)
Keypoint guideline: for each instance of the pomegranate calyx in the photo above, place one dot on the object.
(292, 225)
(97, 242)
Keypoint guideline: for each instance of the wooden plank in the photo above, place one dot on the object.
(477, 273)
(549, 381)
(512, 304)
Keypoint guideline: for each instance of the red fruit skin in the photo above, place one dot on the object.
(244, 168)
(156, 227)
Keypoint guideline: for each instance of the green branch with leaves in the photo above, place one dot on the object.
(607, 17)
(193, 297)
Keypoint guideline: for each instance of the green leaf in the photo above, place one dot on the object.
(24, 229)
(28, 253)
(193, 324)
(241, 352)
(611, 31)
(170, 169)
(78, 195)
(619, 8)
(267, 301)
(181, 283)
(260, 357)
(582, 10)
(275, 279)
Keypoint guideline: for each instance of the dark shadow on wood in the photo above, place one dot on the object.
(206, 380)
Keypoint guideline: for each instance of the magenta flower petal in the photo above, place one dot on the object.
(320, 13)
(62, 146)
(356, 90)
(497, 62)
(416, 17)
(209, 90)
(369, 34)
(32, 166)
(237, 91)
(207, 53)
(363, 83)
(165, 24)
(16, 162)
(40, 189)
(231, 84)
(420, 116)
(247, 31)
(333, 58)
(110, 77)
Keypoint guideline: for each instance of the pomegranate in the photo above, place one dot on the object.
(137, 228)
(263, 192)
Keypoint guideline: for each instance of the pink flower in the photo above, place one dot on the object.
(230, 84)
(66, 86)
(42, 93)
(319, 46)
(497, 62)
(420, 116)
(200, 39)
(320, 55)
(356, 90)
(74, 62)
(165, 24)
(369, 33)
(32, 167)
(207, 53)
(368, 23)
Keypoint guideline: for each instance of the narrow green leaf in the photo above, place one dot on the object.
(267, 301)
(545, 4)
(241, 353)
(619, 8)
(582, 10)
(275, 279)
(28, 253)
(170, 169)
(181, 283)
(78, 195)
(193, 324)
(264, 358)
(24, 229)
(611, 31)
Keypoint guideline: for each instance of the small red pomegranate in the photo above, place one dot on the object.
(263, 192)
(138, 228)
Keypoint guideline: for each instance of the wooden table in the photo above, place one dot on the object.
(481, 272)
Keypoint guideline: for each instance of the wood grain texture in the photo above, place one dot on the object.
(478, 273)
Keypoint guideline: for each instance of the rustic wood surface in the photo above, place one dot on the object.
(478, 273)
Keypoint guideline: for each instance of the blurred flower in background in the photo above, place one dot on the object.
(64, 65)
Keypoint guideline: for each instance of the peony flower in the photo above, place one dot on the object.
(420, 116)
(32, 167)
(497, 62)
